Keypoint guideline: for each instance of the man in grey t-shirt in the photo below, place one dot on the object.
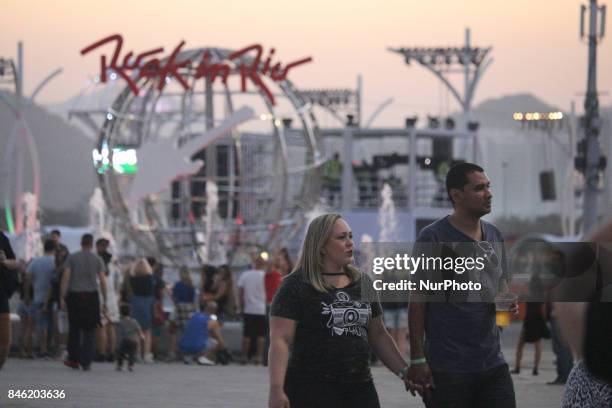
(461, 364)
(79, 293)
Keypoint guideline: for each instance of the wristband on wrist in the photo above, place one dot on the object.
(403, 372)
(416, 361)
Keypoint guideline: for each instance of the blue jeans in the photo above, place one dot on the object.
(565, 361)
(321, 394)
(491, 388)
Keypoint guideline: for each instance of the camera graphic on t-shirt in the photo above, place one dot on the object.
(345, 314)
(347, 317)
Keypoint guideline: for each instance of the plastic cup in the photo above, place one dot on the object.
(503, 305)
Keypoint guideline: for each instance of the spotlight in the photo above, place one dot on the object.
(350, 120)
(411, 122)
(287, 123)
(434, 122)
(473, 126)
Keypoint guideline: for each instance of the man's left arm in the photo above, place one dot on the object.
(504, 279)
(64, 286)
(102, 278)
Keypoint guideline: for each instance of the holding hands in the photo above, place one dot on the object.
(419, 379)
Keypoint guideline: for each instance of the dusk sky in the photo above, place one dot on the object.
(536, 44)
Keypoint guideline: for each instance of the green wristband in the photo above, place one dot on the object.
(416, 361)
(402, 372)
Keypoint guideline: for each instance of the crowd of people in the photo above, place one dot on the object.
(313, 318)
(89, 306)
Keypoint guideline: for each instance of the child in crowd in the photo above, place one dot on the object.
(130, 334)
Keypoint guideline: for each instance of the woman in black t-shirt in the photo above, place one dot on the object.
(319, 314)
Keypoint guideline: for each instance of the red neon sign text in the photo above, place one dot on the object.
(147, 65)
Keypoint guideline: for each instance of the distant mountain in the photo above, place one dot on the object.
(67, 175)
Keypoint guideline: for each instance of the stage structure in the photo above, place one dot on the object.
(470, 61)
(19, 143)
(343, 104)
(442, 61)
(552, 124)
(205, 154)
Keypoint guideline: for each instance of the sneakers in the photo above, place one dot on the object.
(72, 364)
(130, 368)
(205, 361)
(170, 357)
(148, 359)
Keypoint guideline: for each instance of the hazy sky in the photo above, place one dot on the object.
(536, 43)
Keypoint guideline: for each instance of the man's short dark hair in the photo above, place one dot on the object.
(49, 245)
(102, 241)
(56, 232)
(87, 240)
(457, 176)
(152, 261)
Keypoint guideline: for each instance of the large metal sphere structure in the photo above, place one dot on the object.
(257, 182)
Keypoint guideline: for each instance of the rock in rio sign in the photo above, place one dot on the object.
(133, 67)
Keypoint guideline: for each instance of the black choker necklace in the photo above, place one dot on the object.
(333, 273)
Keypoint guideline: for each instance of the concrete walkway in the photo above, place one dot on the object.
(163, 385)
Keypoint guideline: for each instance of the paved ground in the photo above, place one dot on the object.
(176, 385)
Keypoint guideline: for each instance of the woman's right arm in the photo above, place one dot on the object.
(220, 290)
(282, 332)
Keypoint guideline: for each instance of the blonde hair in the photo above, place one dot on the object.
(141, 268)
(185, 276)
(310, 261)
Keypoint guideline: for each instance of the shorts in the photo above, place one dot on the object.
(182, 314)
(254, 325)
(210, 344)
(157, 331)
(41, 317)
(396, 318)
(62, 321)
(26, 310)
